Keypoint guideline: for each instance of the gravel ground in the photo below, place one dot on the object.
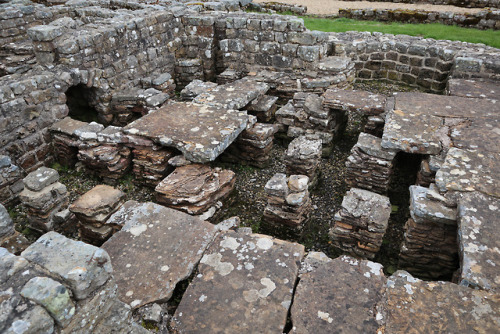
(248, 199)
(328, 7)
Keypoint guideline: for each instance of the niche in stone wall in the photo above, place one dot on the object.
(81, 103)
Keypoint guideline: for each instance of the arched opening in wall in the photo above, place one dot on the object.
(81, 103)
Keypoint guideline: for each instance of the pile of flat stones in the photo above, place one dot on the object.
(196, 189)
(288, 205)
(150, 163)
(361, 223)
(263, 107)
(43, 196)
(10, 179)
(93, 209)
(303, 157)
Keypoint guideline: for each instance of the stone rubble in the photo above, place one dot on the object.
(10, 239)
(303, 157)
(43, 196)
(93, 209)
(361, 223)
(369, 166)
(264, 107)
(10, 181)
(157, 248)
(288, 206)
(244, 284)
(195, 188)
(195, 88)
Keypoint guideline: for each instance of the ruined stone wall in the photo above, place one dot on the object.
(458, 3)
(424, 63)
(486, 19)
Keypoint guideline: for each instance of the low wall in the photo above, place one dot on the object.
(458, 3)
(486, 19)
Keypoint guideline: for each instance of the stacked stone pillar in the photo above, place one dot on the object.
(303, 157)
(361, 223)
(288, 205)
(11, 183)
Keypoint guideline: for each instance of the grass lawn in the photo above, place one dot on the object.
(430, 30)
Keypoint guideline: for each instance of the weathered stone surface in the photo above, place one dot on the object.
(156, 248)
(53, 296)
(479, 245)
(234, 95)
(361, 223)
(195, 88)
(303, 156)
(415, 306)
(83, 267)
(6, 223)
(41, 178)
(200, 132)
(480, 133)
(195, 188)
(263, 107)
(345, 295)
(67, 126)
(151, 164)
(469, 170)
(355, 101)
(479, 88)
(96, 205)
(15, 243)
(422, 208)
(244, 284)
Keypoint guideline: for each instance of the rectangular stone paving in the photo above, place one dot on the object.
(244, 285)
(234, 95)
(157, 248)
(355, 100)
(479, 228)
(480, 88)
(200, 132)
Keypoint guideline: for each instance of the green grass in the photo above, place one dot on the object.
(431, 30)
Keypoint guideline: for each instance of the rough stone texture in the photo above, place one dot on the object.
(110, 162)
(350, 303)
(200, 132)
(361, 223)
(195, 88)
(417, 306)
(6, 223)
(244, 284)
(288, 205)
(234, 95)
(11, 183)
(369, 166)
(303, 157)
(429, 248)
(355, 101)
(156, 248)
(195, 188)
(478, 243)
(83, 267)
(41, 178)
(468, 170)
(64, 141)
(473, 88)
(15, 243)
(263, 107)
(150, 164)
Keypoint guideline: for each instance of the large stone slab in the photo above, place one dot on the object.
(480, 88)
(469, 170)
(342, 296)
(200, 132)
(156, 248)
(415, 306)
(234, 95)
(245, 285)
(355, 100)
(482, 134)
(82, 266)
(478, 230)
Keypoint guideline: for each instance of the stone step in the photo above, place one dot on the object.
(244, 285)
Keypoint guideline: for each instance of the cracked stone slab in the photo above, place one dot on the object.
(415, 306)
(200, 132)
(479, 88)
(245, 285)
(478, 230)
(355, 100)
(344, 295)
(469, 170)
(412, 132)
(156, 248)
(234, 95)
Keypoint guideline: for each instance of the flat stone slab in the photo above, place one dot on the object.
(355, 100)
(341, 296)
(371, 145)
(415, 306)
(479, 88)
(98, 202)
(200, 132)
(68, 126)
(245, 285)
(424, 209)
(412, 132)
(478, 230)
(469, 170)
(41, 178)
(156, 248)
(234, 95)
(481, 133)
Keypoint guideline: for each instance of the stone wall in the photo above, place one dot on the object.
(458, 3)
(486, 19)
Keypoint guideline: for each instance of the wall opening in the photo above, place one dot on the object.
(81, 103)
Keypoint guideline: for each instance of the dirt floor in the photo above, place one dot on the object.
(328, 7)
